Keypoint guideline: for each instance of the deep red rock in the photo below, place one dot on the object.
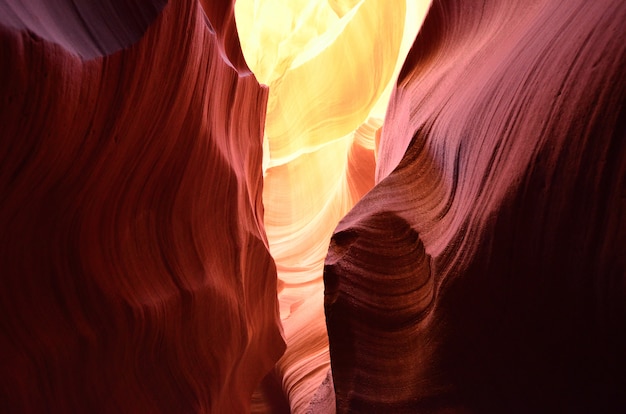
(485, 272)
(135, 273)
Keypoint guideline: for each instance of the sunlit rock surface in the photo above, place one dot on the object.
(330, 68)
(135, 271)
(485, 272)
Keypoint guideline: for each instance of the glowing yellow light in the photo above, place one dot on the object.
(330, 67)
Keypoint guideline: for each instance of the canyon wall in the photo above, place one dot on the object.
(135, 270)
(485, 271)
(147, 174)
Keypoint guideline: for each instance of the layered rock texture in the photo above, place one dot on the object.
(477, 227)
(135, 270)
(486, 270)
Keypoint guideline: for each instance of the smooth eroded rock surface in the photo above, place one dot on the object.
(485, 271)
(136, 275)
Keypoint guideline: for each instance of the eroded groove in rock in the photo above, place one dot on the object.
(135, 269)
(378, 286)
(503, 151)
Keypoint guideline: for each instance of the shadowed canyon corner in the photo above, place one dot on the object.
(312, 207)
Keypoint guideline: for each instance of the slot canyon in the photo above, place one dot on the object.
(313, 206)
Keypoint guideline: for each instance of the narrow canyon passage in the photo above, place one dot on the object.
(290, 206)
(330, 68)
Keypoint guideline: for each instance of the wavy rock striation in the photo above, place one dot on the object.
(136, 275)
(485, 272)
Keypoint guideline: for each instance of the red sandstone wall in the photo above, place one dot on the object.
(135, 273)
